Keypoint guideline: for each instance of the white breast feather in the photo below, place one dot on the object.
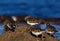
(50, 32)
(37, 33)
(31, 23)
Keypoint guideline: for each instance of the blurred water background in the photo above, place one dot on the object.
(36, 8)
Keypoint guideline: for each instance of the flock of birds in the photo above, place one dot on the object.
(10, 24)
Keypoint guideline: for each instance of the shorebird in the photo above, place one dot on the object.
(51, 30)
(10, 27)
(31, 21)
(37, 32)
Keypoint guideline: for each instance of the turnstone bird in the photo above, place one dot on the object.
(51, 30)
(37, 32)
(10, 27)
(31, 21)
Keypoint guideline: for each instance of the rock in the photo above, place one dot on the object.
(21, 34)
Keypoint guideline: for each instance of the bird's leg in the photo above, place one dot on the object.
(51, 35)
(43, 36)
(37, 38)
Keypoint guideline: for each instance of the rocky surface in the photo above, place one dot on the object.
(22, 34)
